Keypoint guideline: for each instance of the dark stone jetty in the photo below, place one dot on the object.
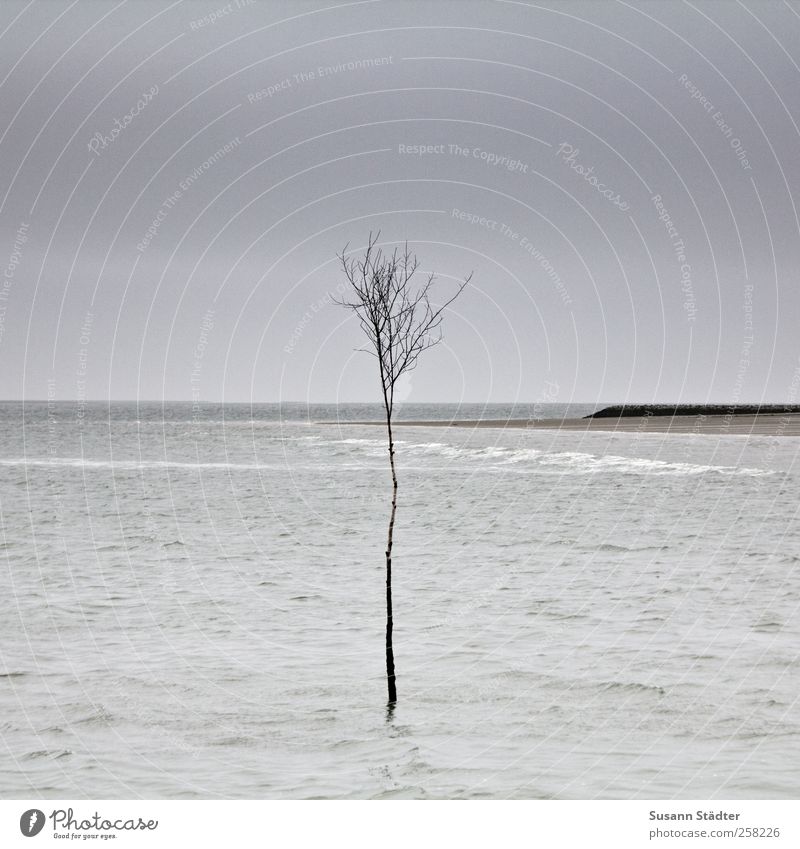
(625, 410)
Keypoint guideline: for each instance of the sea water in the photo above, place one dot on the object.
(192, 605)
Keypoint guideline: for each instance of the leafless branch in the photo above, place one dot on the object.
(398, 319)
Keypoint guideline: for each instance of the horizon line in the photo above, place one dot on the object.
(725, 403)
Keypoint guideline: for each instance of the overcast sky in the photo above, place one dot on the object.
(622, 179)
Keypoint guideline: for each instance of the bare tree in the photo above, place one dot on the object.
(400, 323)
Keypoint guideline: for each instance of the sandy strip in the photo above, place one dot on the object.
(762, 424)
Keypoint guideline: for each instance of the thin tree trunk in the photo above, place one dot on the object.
(389, 624)
(400, 323)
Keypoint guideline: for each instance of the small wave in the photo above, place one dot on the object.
(609, 462)
(496, 457)
(368, 443)
(574, 461)
(522, 454)
(48, 753)
(439, 448)
(632, 687)
(98, 715)
(235, 740)
(768, 627)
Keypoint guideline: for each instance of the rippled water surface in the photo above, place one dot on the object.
(192, 606)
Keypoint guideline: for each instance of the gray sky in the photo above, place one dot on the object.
(622, 178)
